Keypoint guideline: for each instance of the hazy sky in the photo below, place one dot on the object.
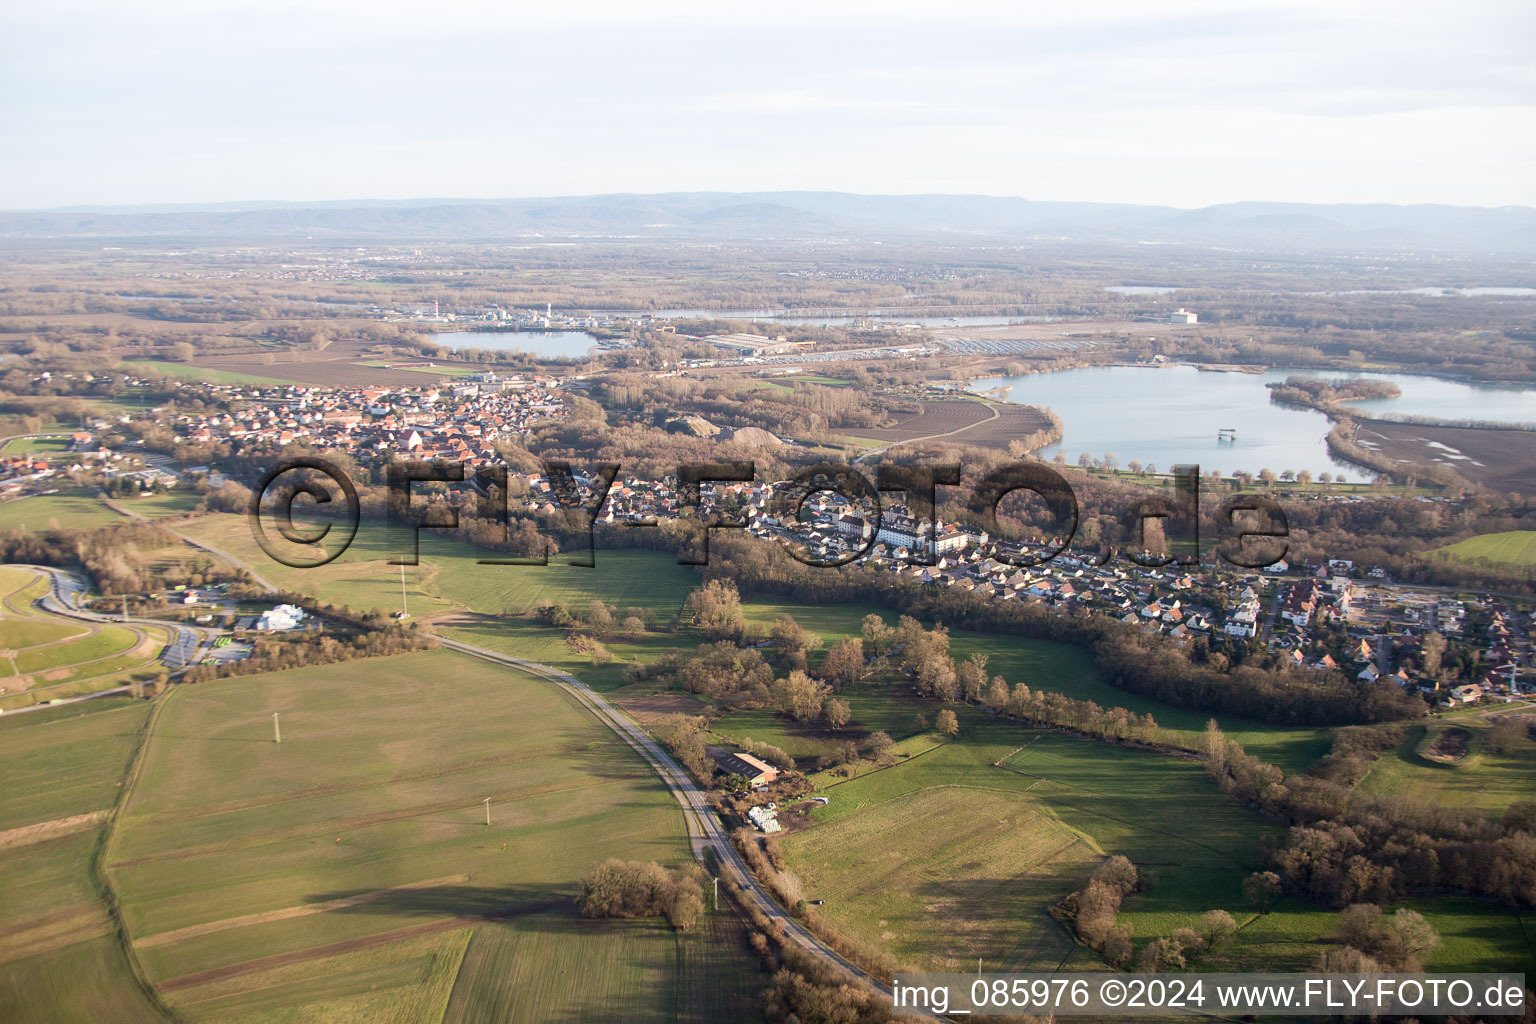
(1178, 102)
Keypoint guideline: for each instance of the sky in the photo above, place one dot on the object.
(1179, 102)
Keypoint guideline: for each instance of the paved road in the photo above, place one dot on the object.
(705, 832)
(61, 600)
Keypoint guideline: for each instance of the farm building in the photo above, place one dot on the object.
(758, 773)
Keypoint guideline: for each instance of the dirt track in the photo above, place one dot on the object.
(963, 421)
(49, 829)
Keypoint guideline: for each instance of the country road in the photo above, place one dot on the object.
(705, 832)
(260, 580)
(60, 600)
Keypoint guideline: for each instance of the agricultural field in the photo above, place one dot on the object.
(348, 872)
(483, 604)
(1481, 778)
(1504, 460)
(206, 374)
(70, 506)
(947, 856)
(60, 957)
(1516, 548)
(487, 605)
(968, 421)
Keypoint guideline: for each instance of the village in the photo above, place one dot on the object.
(1322, 615)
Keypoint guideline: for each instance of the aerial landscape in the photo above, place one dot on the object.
(679, 599)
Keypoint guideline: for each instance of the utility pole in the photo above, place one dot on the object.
(487, 802)
(404, 611)
(277, 730)
(716, 902)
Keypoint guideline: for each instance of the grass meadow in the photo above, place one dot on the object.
(946, 857)
(71, 507)
(1485, 779)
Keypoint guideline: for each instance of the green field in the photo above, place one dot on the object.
(29, 631)
(203, 373)
(36, 446)
(70, 507)
(106, 642)
(60, 958)
(1516, 548)
(450, 580)
(945, 857)
(158, 506)
(472, 601)
(235, 849)
(1482, 779)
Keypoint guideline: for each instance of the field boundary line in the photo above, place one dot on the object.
(1110, 817)
(888, 767)
(193, 931)
(299, 956)
(103, 852)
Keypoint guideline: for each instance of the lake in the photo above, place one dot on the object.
(544, 344)
(1173, 414)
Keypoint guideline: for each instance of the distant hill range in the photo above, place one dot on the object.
(746, 216)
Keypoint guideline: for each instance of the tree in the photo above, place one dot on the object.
(1412, 938)
(800, 696)
(877, 636)
(792, 641)
(879, 744)
(1216, 929)
(599, 617)
(972, 675)
(836, 713)
(1261, 889)
(183, 352)
(1118, 873)
(1161, 954)
(947, 724)
(1433, 651)
(716, 608)
(997, 696)
(843, 664)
